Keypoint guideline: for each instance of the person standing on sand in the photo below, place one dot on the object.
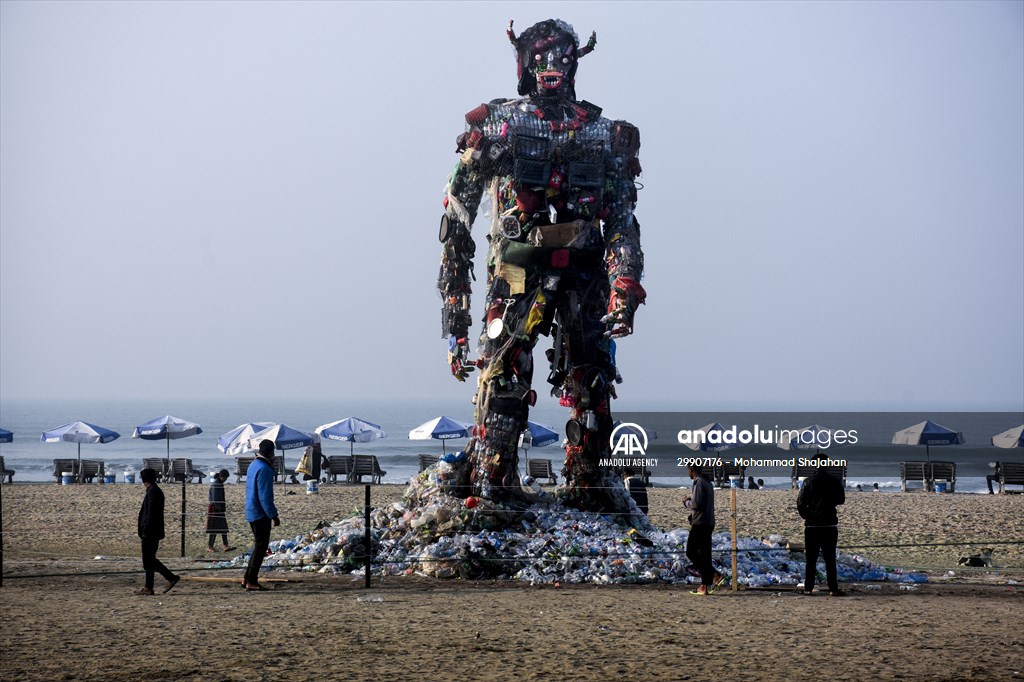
(702, 524)
(217, 511)
(816, 503)
(151, 531)
(260, 511)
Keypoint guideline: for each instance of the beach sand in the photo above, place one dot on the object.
(71, 564)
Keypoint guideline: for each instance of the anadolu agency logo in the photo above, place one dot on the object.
(629, 440)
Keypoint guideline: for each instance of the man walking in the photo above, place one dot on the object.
(702, 524)
(260, 511)
(817, 502)
(151, 531)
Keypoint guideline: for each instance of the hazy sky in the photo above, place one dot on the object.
(215, 200)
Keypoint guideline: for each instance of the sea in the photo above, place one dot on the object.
(876, 461)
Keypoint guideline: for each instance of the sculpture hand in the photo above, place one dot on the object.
(626, 295)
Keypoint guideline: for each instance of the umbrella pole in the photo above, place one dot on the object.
(442, 447)
(79, 477)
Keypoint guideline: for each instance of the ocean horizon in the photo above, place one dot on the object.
(32, 459)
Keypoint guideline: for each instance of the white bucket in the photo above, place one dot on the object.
(940, 485)
(67, 477)
(109, 478)
(800, 482)
(129, 477)
(312, 487)
(734, 481)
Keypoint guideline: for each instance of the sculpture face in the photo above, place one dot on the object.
(553, 59)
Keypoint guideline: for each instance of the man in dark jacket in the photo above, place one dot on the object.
(820, 495)
(702, 524)
(151, 530)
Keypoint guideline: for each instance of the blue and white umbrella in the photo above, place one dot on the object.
(79, 432)
(166, 428)
(442, 428)
(807, 438)
(1011, 438)
(928, 433)
(538, 435)
(236, 441)
(6, 436)
(711, 441)
(351, 429)
(283, 436)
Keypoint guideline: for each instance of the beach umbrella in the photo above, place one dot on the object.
(442, 428)
(351, 429)
(236, 441)
(1011, 438)
(928, 433)
(702, 444)
(806, 438)
(166, 428)
(79, 432)
(537, 435)
(283, 436)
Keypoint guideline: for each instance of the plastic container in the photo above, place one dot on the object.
(67, 477)
(110, 478)
(734, 481)
(129, 477)
(800, 482)
(940, 485)
(312, 487)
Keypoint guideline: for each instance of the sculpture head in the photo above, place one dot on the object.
(547, 54)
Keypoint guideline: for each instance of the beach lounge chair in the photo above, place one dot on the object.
(62, 465)
(1010, 473)
(5, 472)
(942, 471)
(91, 468)
(914, 472)
(427, 461)
(808, 471)
(338, 465)
(182, 470)
(283, 473)
(241, 467)
(365, 465)
(541, 468)
(727, 469)
(161, 465)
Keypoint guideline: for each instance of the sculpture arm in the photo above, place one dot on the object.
(454, 281)
(624, 257)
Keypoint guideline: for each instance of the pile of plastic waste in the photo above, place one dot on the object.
(435, 534)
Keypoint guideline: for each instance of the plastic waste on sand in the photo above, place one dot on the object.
(435, 534)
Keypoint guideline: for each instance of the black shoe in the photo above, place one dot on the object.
(171, 583)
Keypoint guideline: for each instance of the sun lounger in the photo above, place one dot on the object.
(338, 465)
(942, 471)
(1010, 473)
(283, 473)
(365, 465)
(91, 468)
(541, 468)
(427, 461)
(5, 472)
(808, 471)
(161, 465)
(725, 470)
(914, 472)
(241, 467)
(62, 465)
(182, 470)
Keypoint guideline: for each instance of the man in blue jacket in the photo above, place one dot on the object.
(260, 511)
(151, 531)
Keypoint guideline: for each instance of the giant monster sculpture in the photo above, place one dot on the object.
(564, 261)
